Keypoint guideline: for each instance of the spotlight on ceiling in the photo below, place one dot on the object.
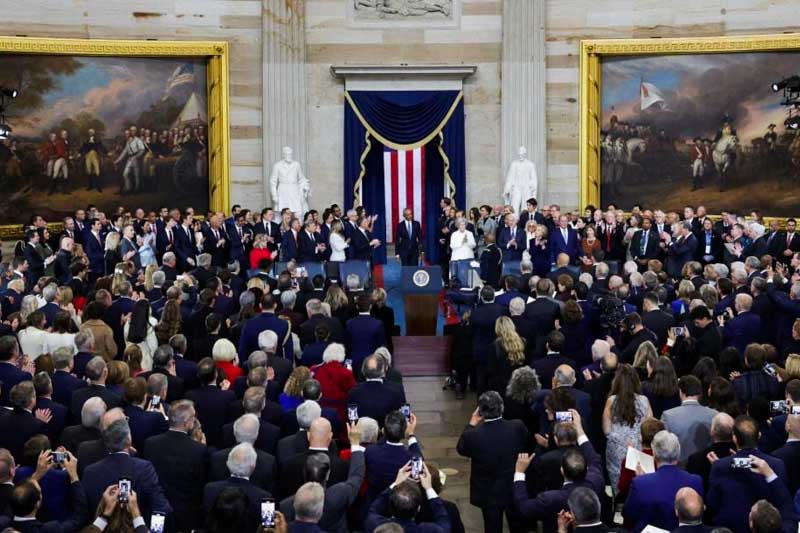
(11, 93)
(792, 83)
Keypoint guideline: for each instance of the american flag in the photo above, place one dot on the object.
(404, 187)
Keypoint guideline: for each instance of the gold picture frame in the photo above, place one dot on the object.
(590, 83)
(217, 60)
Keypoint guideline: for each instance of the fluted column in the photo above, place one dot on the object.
(523, 86)
(284, 87)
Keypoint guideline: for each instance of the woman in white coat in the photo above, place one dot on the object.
(462, 242)
(337, 242)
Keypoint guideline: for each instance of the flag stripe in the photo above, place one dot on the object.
(422, 179)
(416, 198)
(404, 187)
(387, 187)
(396, 162)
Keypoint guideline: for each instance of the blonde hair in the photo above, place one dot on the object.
(792, 366)
(64, 295)
(511, 342)
(260, 241)
(118, 278)
(645, 353)
(257, 283)
(379, 297)
(148, 276)
(223, 350)
(298, 378)
(336, 297)
(112, 241)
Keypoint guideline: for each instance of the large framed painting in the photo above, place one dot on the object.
(672, 122)
(111, 123)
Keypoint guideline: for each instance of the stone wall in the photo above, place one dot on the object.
(569, 21)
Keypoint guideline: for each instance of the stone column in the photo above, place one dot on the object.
(284, 88)
(523, 86)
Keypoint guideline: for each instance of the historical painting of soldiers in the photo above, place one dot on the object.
(676, 128)
(106, 131)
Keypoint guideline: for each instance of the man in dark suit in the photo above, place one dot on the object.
(144, 420)
(89, 428)
(644, 244)
(36, 263)
(491, 261)
(788, 242)
(21, 423)
(267, 226)
(493, 445)
(165, 239)
(315, 317)
(267, 320)
(652, 496)
(215, 242)
(10, 373)
(240, 237)
(656, 320)
(311, 391)
(409, 240)
(564, 378)
(288, 447)
(531, 213)
(376, 397)
(185, 243)
(385, 458)
(128, 248)
(364, 333)
(635, 335)
(547, 365)
(95, 250)
(482, 321)
(320, 437)
(184, 368)
(310, 247)
(180, 461)
(565, 240)
(525, 328)
(511, 240)
(254, 402)
(97, 373)
(721, 446)
(789, 453)
(43, 387)
(214, 405)
(681, 250)
(689, 512)
(562, 267)
(241, 463)
(362, 243)
(63, 261)
(120, 464)
(246, 429)
(733, 490)
(543, 312)
(611, 236)
(164, 364)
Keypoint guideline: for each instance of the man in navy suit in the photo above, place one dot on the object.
(20, 423)
(185, 369)
(289, 242)
(385, 458)
(185, 243)
(128, 248)
(97, 373)
(644, 244)
(531, 213)
(409, 240)
(267, 226)
(120, 464)
(733, 490)
(267, 320)
(376, 397)
(95, 249)
(239, 235)
(681, 250)
(165, 238)
(145, 421)
(215, 241)
(241, 464)
(247, 428)
(564, 240)
(511, 240)
(310, 247)
(361, 243)
(652, 496)
(10, 373)
(214, 405)
(364, 333)
(564, 378)
(483, 320)
(742, 329)
(43, 387)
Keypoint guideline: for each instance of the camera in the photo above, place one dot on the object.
(157, 522)
(268, 512)
(563, 416)
(59, 458)
(770, 370)
(741, 462)
(352, 413)
(406, 410)
(124, 486)
(778, 407)
(416, 467)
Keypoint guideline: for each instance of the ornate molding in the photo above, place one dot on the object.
(106, 47)
(440, 71)
(692, 45)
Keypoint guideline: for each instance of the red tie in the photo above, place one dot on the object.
(608, 239)
(169, 235)
(788, 239)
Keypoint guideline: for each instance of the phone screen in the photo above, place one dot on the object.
(406, 410)
(352, 413)
(157, 523)
(268, 512)
(124, 486)
(416, 467)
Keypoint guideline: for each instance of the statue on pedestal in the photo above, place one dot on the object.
(521, 181)
(288, 186)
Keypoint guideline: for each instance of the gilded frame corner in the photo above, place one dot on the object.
(590, 83)
(217, 59)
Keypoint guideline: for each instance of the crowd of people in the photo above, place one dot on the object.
(631, 370)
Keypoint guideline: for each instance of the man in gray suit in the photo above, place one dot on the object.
(339, 496)
(691, 422)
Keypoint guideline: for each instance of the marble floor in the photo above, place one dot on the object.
(441, 419)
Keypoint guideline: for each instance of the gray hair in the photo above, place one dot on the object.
(523, 385)
(268, 341)
(599, 349)
(178, 343)
(666, 447)
(601, 270)
(180, 412)
(369, 429)
(84, 340)
(490, 404)
(584, 505)
(307, 412)
(159, 278)
(204, 260)
(288, 298)
(384, 352)
(245, 429)
(162, 356)
(247, 298)
(525, 267)
(587, 279)
(309, 501)
(352, 281)
(257, 359)
(168, 257)
(564, 376)
(313, 307)
(242, 460)
(117, 436)
(95, 367)
(721, 269)
(752, 262)
(334, 352)
(49, 292)
(22, 394)
(157, 384)
(92, 411)
(62, 357)
(516, 306)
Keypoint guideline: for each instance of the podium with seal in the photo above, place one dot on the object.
(421, 286)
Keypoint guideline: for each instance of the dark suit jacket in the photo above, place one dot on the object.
(359, 244)
(292, 471)
(78, 516)
(611, 242)
(263, 477)
(493, 447)
(306, 332)
(271, 229)
(659, 323)
(376, 399)
(789, 453)
(219, 254)
(267, 441)
(144, 424)
(185, 248)
(408, 246)
(95, 252)
(215, 407)
(383, 461)
(511, 252)
(483, 320)
(59, 420)
(290, 446)
(64, 384)
(10, 375)
(379, 513)
(364, 335)
(289, 246)
(307, 247)
(144, 481)
(248, 341)
(16, 427)
(181, 464)
(542, 312)
(741, 330)
(557, 245)
(651, 499)
(126, 246)
(546, 366)
(80, 396)
(680, 251)
(698, 463)
(73, 436)
(89, 453)
(651, 251)
(187, 371)
(253, 493)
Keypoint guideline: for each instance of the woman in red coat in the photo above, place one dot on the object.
(259, 251)
(224, 354)
(334, 378)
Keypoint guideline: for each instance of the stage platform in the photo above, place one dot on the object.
(422, 356)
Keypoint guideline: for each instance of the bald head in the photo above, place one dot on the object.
(320, 433)
(111, 416)
(793, 426)
(688, 506)
(564, 376)
(722, 428)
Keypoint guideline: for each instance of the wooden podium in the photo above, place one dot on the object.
(421, 287)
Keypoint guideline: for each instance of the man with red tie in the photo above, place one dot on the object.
(791, 240)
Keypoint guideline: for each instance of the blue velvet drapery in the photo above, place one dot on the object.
(404, 118)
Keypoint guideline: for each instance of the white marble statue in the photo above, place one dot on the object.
(288, 186)
(521, 181)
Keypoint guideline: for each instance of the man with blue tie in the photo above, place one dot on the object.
(564, 240)
(644, 245)
(289, 244)
(267, 320)
(512, 240)
(309, 244)
(409, 240)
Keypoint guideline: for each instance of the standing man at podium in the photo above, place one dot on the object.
(409, 240)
